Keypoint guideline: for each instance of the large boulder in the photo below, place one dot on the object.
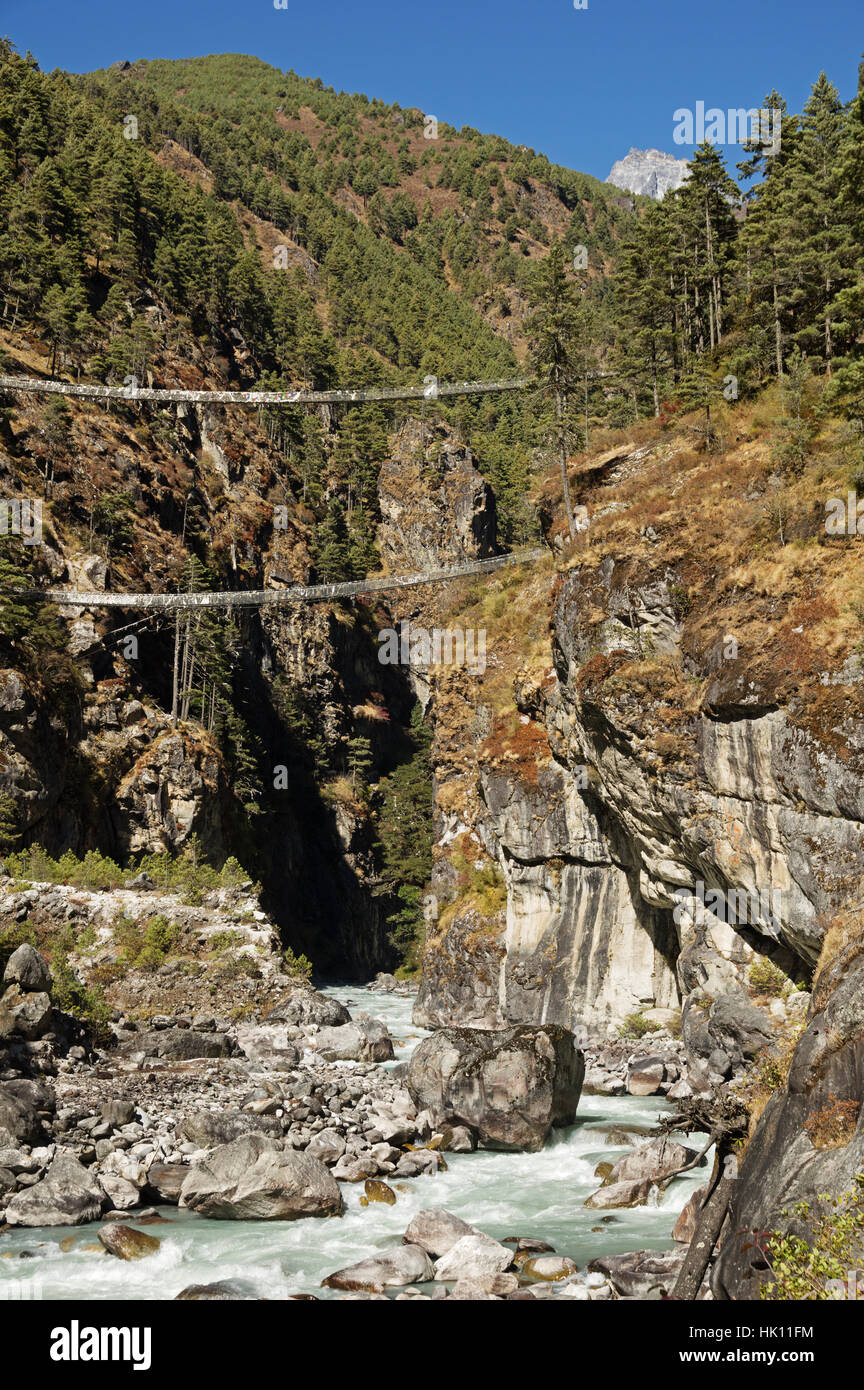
(127, 1243)
(68, 1195)
(364, 1039)
(656, 1161)
(641, 1273)
(404, 1264)
(210, 1128)
(26, 1015)
(254, 1179)
(472, 1256)
(25, 967)
(511, 1086)
(179, 1044)
(437, 1231)
(308, 1006)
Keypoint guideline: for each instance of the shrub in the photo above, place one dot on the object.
(87, 1003)
(834, 1125)
(300, 967)
(636, 1026)
(767, 978)
(816, 1267)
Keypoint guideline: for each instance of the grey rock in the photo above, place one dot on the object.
(437, 1231)
(510, 1086)
(68, 1195)
(25, 967)
(251, 1179)
(404, 1264)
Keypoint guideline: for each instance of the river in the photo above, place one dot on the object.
(504, 1194)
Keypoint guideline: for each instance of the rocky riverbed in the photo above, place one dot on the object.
(143, 1170)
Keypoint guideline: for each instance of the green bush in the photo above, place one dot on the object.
(636, 1026)
(767, 978)
(87, 1003)
(300, 967)
(803, 1268)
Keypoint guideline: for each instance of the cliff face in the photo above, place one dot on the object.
(672, 803)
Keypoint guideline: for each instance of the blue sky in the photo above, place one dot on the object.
(581, 86)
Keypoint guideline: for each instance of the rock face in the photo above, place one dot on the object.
(254, 1179)
(650, 172)
(810, 1137)
(511, 1086)
(436, 509)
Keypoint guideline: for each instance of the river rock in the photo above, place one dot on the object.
(645, 1076)
(26, 968)
(252, 1179)
(179, 1044)
(213, 1293)
(164, 1181)
(365, 1039)
(547, 1269)
(473, 1255)
(68, 1195)
(656, 1160)
(685, 1227)
(642, 1272)
(377, 1191)
(327, 1145)
(620, 1194)
(437, 1231)
(126, 1243)
(403, 1264)
(210, 1128)
(122, 1194)
(511, 1086)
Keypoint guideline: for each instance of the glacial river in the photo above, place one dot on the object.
(539, 1195)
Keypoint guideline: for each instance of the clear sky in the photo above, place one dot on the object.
(581, 86)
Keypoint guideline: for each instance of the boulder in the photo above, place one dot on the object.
(404, 1264)
(685, 1227)
(511, 1086)
(656, 1160)
(642, 1272)
(25, 967)
(645, 1076)
(547, 1269)
(68, 1195)
(178, 1044)
(121, 1193)
(254, 1179)
(210, 1128)
(620, 1194)
(164, 1181)
(308, 1006)
(377, 1191)
(327, 1145)
(117, 1112)
(128, 1244)
(213, 1293)
(27, 1015)
(436, 1231)
(365, 1039)
(471, 1256)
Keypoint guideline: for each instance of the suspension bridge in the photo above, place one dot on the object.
(276, 598)
(431, 390)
